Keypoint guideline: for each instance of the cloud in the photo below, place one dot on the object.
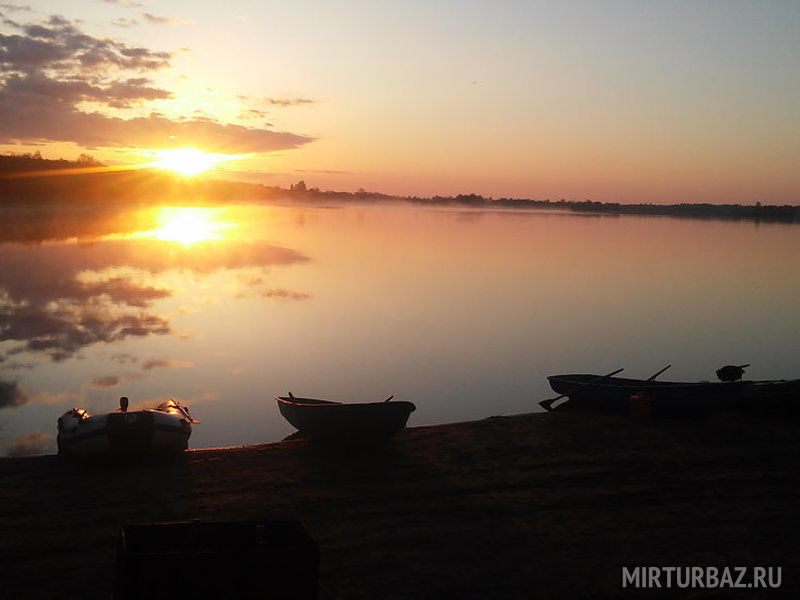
(106, 382)
(251, 281)
(52, 399)
(50, 70)
(325, 171)
(190, 401)
(124, 358)
(286, 101)
(111, 381)
(156, 20)
(284, 294)
(127, 3)
(15, 7)
(119, 94)
(40, 121)
(252, 113)
(32, 443)
(11, 394)
(16, 366)
(125, 22)
(57, 45)
(166, 363)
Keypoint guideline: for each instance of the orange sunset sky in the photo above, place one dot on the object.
(615, 101)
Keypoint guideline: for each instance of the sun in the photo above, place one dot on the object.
(189, 161)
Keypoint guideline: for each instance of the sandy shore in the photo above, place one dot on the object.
(540, 506)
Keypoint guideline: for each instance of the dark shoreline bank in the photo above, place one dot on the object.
(544, 505)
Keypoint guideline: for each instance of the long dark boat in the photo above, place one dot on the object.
(339, 422)
(614, 394)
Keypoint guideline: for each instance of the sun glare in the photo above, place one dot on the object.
(190, 225)
(189, 161)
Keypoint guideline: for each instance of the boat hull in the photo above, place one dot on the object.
(137, 433)
(333, 421)
(664, 397)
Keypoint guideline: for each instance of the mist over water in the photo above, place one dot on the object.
(462, 312)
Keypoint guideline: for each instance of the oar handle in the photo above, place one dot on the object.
(652, 377)
(389, 398)
(546, 404)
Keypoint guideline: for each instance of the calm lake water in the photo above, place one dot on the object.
(462, 312)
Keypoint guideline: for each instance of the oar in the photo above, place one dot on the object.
(389, 398)
(546, 404)
(652, 377)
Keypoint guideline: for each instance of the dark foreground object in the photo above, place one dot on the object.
(237, 560)
(542, 506)
(613, 394)
(336, 422)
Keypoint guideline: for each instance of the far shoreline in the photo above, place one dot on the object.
(30, 179)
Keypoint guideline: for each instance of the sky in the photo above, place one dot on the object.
(613, 101)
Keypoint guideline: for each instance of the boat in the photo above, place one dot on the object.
(614, 394)
(161, 430)
(339, 422)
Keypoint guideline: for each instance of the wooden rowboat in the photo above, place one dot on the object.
(335, 421)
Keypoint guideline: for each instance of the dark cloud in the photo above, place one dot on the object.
(11, 394)
(33, 443)
(289, 101)
(58, 46)
(25, 119)
(119, 94)
(49, 70)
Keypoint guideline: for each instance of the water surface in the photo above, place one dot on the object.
(462, 312)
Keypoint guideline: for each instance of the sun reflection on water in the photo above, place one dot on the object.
(189, 226)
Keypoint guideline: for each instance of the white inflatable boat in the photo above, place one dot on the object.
(161, 430)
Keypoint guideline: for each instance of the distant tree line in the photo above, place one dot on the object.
(142, 186)
(768, 213)
(21, 163)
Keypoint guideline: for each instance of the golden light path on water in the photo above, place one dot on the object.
(187, 225)
(191, 225)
